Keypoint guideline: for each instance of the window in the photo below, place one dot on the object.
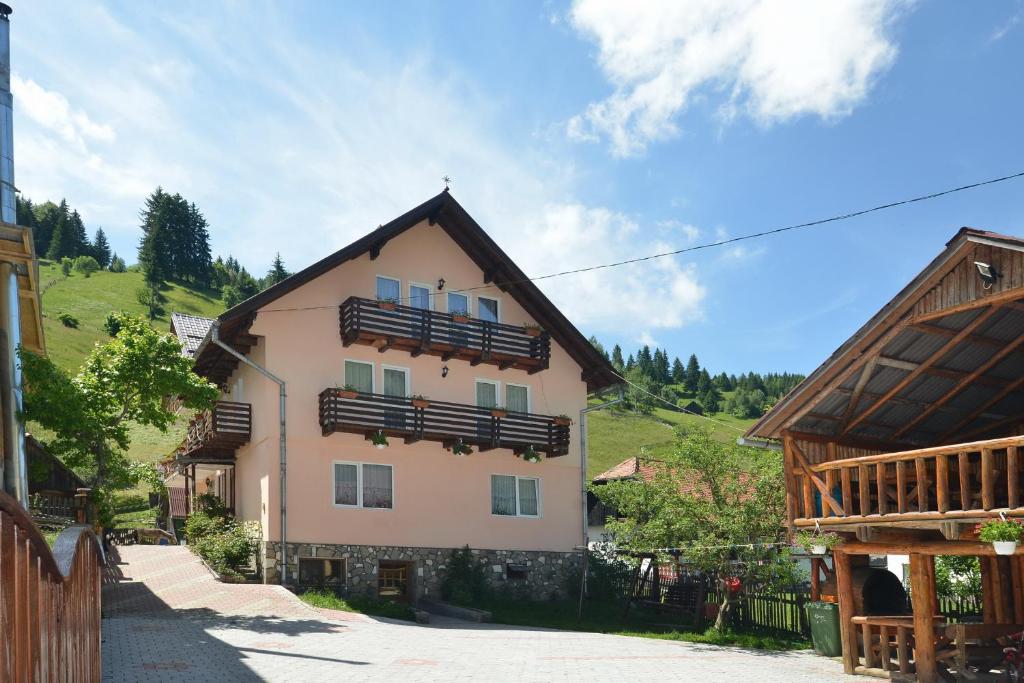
(359, 375)
(315, 571)
(515, 496)
(486, 393)
(396, 382)
(458, 303)
(517, 398)
(388, 289)
(419, 297)
(487, 309)
(363, 485)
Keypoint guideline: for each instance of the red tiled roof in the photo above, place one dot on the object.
(647, 469)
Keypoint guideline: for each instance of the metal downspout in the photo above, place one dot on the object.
(215, 338)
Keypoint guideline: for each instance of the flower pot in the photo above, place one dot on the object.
(345, 393)
(459, 454)
(386, 305)
(380, 445)
(532, 331)
(563, 421)
(498, 412)
(1005, 547)
(818, 550)
(420, 403)
(461, 319)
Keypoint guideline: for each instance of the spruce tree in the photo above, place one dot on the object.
(47, 214)
(200, 261)
(692, 373)
(154, 247)
(79, 238)
(630, 363)
(62, 241)
(678, 371)
(101, 248)
(278, 273)
(617, 357)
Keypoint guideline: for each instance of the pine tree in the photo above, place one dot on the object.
(644, 361)
(101, 248)
(26, 215)
(78, 236)
(692, 373)
(277, 273)
(154, 247)
(62, 241)
(660, 368)
(617, 357)
(47, 215)
(199, 257)
(703, 382)
(630, 363)
(678, 371)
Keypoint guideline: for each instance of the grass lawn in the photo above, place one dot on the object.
(606, 617)
(363, 605)
(137, 519)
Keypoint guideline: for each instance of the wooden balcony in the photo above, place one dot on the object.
(440, 421)
(961, 482)
(215, 434)
(418, 331)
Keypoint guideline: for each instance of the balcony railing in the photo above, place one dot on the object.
(440, 421)
(365, 321)
(956, 482)
(217, 432)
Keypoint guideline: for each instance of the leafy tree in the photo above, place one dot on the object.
(117, 264)
(277, 273)
(678, 371)
(122, 382)
(721, 505)
(86, 265)
(151, 297)
(230, 295)
(112, 323)
(746, 403)
(692, 373)
(66, 264)
(641, 391)
(958, 576)
(101, 248)
(617, 358)
(46, 215)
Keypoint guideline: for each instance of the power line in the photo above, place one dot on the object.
(676, 407)
(708, 245)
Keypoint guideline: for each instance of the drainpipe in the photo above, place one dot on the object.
(583, 489)
(215, 338)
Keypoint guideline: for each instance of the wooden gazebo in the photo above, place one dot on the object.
(905, 439)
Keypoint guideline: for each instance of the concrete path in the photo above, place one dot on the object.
(167, 619)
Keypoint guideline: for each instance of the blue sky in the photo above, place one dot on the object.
(576, 133)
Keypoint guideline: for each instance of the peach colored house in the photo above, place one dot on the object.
(377, 492)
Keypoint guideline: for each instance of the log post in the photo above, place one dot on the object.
(791, 490)
(815, 579)
(923, 595)
(844, 589)
(988, 608)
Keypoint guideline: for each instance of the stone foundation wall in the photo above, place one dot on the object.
(537, 574)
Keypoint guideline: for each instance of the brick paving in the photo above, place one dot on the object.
(167, 619)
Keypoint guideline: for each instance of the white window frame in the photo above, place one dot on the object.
(497, 309)
(373, 372)
(399, 368)
(497, 390)
(540, 497)
(430, 293)
(469, 302)
(359, 486)
(387, 277)
(529, 395)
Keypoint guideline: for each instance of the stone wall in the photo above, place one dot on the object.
(537, 574)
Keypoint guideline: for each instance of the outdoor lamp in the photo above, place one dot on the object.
(987, 272)
(440, 283)
(444, 371)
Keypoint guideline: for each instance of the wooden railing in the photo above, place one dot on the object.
(885, 644)
(364, 321)
(225, 427)
(49, 601)
(959, 481)
(440, 421)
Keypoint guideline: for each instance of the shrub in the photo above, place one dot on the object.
(86, 265)
(151, 298)
(227, 549)
(117, 264)
(68, 320)
(465, 580)
(112, 324)
(65, 266)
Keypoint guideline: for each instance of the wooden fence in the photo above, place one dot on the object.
(49, 601)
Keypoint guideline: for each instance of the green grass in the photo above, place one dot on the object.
(606, 617)
(363, 605)
(137, 519)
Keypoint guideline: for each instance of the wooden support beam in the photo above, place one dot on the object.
(1010, 421)
(1013, 476)
(921, 468)
(931, 360)
(942, 483)
(946, 332)
(988, 604)
(823, 490)
(858, 391)
(847, 484)
(923, 597)
(962, 384)
(988, 494)
(864, 483)
(990, 300)
(963, 470)
(844, 589)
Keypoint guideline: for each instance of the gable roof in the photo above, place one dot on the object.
(190, 330)
(498, 268)
(646, 469)
(942, 333)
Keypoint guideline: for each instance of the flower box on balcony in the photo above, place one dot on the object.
(461, 318)
(532, 330)
(348, 393)
(499, 412)
(420, 403)
(563, 421)
(386, 305)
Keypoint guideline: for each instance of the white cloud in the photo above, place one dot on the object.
(1000, 32)
(52, 111)
(769, 60)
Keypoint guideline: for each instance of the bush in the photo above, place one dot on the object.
(200, 524)
(465, 580)
(86, 265)
(117, 264)
(152, 299)
(228, 549)
(65, 266)
(68, 320)
(112, 324)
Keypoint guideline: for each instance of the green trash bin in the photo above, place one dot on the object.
(824, 621)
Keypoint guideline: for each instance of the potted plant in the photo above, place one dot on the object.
(1003, 534)
(461, 317)
(499, 411)
(532, 329)
(817, 542)
(379, 440)
(461, 449)
(420, 401)
(531, 455)
(387, 304)
(563, 420)
(348, 391)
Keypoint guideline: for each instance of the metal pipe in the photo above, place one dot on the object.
(15, 471)
(8, 209)
(758, 443)
(215, 338)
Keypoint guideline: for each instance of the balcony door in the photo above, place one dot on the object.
(486, 397)
(459, 303)
(396, 385)
(487, 309)
(419, 298)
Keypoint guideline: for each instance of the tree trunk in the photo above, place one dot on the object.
(725, 612)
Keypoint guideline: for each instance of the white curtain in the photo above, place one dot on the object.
(503, 494)
(346, 489)
(516, 399)
(388, 288)
(419, 297)
(359, 375)
(487, 309)
(394, 382)
(486, 395)
(377, 486)
(528, 497)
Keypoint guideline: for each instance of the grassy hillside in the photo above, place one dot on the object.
(90, 300)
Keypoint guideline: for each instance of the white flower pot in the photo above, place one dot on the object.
(1005, 547)
(459, 455)
(818, 550)
(380, 445)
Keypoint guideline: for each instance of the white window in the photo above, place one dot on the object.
(486, 393)
(458, 303)
(487, 309)
(388, 289)
(515, 496)
(419, 297)
(359, 375)
(517, 398)
(396, 382)
(363, 485)
(238, 390)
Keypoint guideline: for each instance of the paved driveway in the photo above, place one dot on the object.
(167, 619)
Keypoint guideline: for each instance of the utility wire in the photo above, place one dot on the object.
(708, 245)
(676, 407)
